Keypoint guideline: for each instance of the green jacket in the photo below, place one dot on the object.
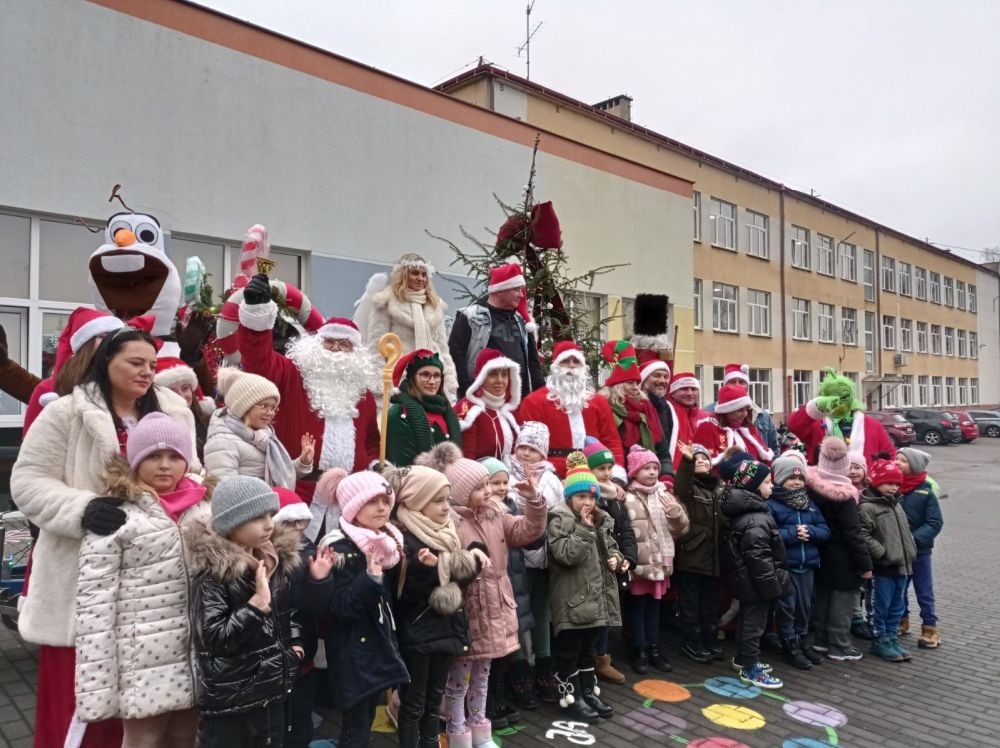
(583, 592)
(887, 533)
(700, 549)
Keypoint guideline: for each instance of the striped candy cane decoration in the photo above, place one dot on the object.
(256, 243)
(194, 274)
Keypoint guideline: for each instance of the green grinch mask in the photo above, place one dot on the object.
(837, 398)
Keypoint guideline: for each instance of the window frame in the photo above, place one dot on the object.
(831, 319)
(936, 346)
(799, 245)
(961, 343)
(848, 259)
(888, 332)
(801, 387)
(937, 389)
(868, 274)
(845, 338)
(826, 258)
(948, 291)
(906, 335)
(904, 278)
(696, 203)
(961, 300)
(973, 298)
(698, 304)
(923, 390)
(973, 345)
(948, 334)
(805, 313)
(934, 287)
(888, 274)
(715, 218)
(733, 304)
(920, 283)
(921, 334)
(752, 313)
(762, 234)
(760, 387)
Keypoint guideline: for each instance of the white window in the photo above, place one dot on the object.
(697, 303)
(974, 391)
(936, 340)
(936, 391)
(960, 300)
(906, 391)
(934, 284)
(973, 345)
(920, 283)
(963, 346)
(848, 326)
(906, 334)
(888, 332)
(973, 301)
(801, 387)
(698, 372)
(905, 277)
(963, 391)
(800, 247)
(696, 201)
(760, 387)
(922, 385)
(757, 235)
(15, 241)
(827, 330)
(848, 262)
(949, 291)
(888, 397)
(824, 254)
(949, 341)
(723, 218)
(758, 312)
(949, 390)
(718, 372)
(869, 341)
(725, 312)
(888, 274)
(921, 337)
(801, 324)
(869, 275)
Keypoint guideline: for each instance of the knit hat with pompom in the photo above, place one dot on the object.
(638, 458)
(351, 492)
(465, 475)
(579, 479)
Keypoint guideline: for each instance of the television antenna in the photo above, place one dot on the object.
(529, 33)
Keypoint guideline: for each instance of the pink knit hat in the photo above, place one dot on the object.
(353, 491)
(154, 432)
(833, 457)
(463, 474)
(638, 458)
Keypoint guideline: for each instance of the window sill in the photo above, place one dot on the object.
(827, 342)
(697, 240)
(849, 280)
(728, 249)
(726, 332)
(759, 334)
(802, 340)
(826, 275)
(762, 258)
(802, 267)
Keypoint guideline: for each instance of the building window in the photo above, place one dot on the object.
(800, 247)
(921, 337)
(973, 345)
(869, 275)
(824, 254)
(697, 303)
(905, 278)
(934, 284)
(973, 301)
(920, 283)
(758, 312)
(848, 326)
(825, 314)
(888, 332)
(848, 262)
(698, 372)
(725, 299)
(801, 325)
(869, 341)
(906, 334)
(963, 347)
(212, 255)
(801, 387)
(960, 300)
(922, 385)
(936, 340)
(949, 291)
(888, 397)
(949, 341)
(760, 387)
(936, 391)
(696, 201)
(888, 274)
(949, 390)
(15, 241)
(974, 391)
(963, 391)
(723, 218)
(757, 232)
(906, 391)
(718, 372)
(62, 246)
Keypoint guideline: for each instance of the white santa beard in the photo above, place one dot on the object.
(569, 389)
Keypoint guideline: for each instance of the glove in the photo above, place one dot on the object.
(102, 515)
(192, 337)
(258, 290)
(827, 403)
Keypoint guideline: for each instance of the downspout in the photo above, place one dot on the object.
(785, 386)
(490, 93)
(877, 287)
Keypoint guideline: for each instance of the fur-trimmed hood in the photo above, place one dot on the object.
(828, 489)
(210, 553)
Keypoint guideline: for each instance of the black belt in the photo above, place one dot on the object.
(561, 452)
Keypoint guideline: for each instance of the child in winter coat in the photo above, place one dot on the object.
(698, 560)
(431, 625)
(861, 617)
(923, 511)
(584, 558)
(361, 647)
(759, 575)
(489, 600)
(246, 634)
(601, 462)
(133, 593)
(241, 438)
(657, 518)
(803, 530)
(887, 534)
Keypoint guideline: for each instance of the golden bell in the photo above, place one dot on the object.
(265, 265)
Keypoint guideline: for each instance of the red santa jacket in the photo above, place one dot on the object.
(868, 436)
(598, 421)
(717, 438)
(485, 432)
(683, 423)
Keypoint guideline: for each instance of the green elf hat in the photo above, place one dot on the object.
(620, 356)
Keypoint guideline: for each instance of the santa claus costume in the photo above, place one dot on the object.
(489, 427)
(865, 435)
(717, 433)
(678, 420)
(571, 409)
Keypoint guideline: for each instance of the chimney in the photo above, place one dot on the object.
(620, 106)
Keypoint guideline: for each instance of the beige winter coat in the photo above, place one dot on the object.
(228, 454)
(655, 542)
(133, 633)
(59, 469)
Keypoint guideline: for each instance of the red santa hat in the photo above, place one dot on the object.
(408, 365)
(736, 371)
(293, 508)
(565, 349)
(649, 362)
(524, 310)
(341, 328)
(620, 355)
(490, 359)
(683, 379)
(145, 323)
(506, 277)
(171, 371)
(731, 398)
(84, 325)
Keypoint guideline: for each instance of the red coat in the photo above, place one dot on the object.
(716, 438)
(683, 423)
(598, 421)
(485, 432)
(812, 427)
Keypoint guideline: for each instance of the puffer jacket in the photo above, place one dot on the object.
(228, 453)
(700, 549)
(489, 600)
(133, 601)
(800, 554)
(887, 533)
(243, 656)
(844, 557)
(654, 564)
(758, 552)
(923, 513)
(583, 591)
(516, 570)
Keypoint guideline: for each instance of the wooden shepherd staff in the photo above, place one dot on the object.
(390, 347)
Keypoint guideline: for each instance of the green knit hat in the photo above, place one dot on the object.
(597, 454)
(494, 466)
(579, 479)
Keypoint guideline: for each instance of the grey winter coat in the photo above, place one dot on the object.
(887, 533)
(229, 453)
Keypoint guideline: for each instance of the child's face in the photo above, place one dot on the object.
(162, 470)
(375, 513)
(185, 390)
(299, 525)
(648, 474)
(438, 508)
(580, 502)
(856, 473)
(499, 483)
(528, 455)
(702, 464)
(904, 464)
(887, 489)
(794, 483)
(766, 487)
(255, 533)
(603, 472)
(261, 414)
(479, 495)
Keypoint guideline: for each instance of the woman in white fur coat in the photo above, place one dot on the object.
(407, 304)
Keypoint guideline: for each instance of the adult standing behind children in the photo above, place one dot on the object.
(489, 427)
(420, 415)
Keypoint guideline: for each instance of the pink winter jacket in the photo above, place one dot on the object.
(489, 600)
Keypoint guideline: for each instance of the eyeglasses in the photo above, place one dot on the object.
(338, 344)
(429, 376)
(267, 408)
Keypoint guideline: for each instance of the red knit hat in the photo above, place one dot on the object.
(650, 361)
(736, 371)
(407, 365)
(490, 359)
(506, 277)
(731, 398)
(293, 508)
(620, 355)
(566, 349)
(885, 471)
(340, 328)
(683, 379)
(84, 325)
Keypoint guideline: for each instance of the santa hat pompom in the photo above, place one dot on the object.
(326, 487)
(524, 309)
(440, 457)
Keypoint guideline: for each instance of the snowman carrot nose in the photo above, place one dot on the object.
(124, 238)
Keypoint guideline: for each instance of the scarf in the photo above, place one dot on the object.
(743, 438)
(266, 554)
(382, 545)
(650, 497)
(278, 468)
(416, 414)
(910, 483)
(796, 499)
(442, 538)
(421, 332)
(185, 495)
(636, 428)
(493, 402)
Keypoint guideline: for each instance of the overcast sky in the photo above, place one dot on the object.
(890, 108)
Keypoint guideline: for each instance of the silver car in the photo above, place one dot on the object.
(988, 421)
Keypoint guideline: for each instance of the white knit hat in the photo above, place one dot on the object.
(241, 391)
(534, 434)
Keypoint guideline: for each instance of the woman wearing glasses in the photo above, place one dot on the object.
(420, 415)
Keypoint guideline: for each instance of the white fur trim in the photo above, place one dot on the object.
(48, 397)
(675, 431)
(577, 427)
(815, 413)
(516, 282)
(857, 445)
(531, 327)
(293, 513)
(734, 405)
(208, 406)
(515, 382)
(340, 332)
(684, 382)
(176, 375)
(651, 367)
(415, 264)
(740, 438)
(169, 349)
(258, 317)
(661, 342)
(338, 444)
(617, 471)
(89, 331)
(570, 353)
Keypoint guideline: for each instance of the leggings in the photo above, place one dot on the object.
(538, 591)
(466, 686)
(645, 620)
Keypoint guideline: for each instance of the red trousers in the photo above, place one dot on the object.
(56, 707)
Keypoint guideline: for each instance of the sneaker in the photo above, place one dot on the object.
(697, 654)
(884, 648)
(763, 665)
(861, 629)
(755, 675)
(820, 646)
(844, 655)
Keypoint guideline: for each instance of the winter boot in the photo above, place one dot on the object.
(657, 659)
(571, 701)
(930, 637)
(810, 654)
(883, 647)
(900, 651)
(482, 736)
(861, 629)
(710, 642)
(607, 672)
(640, 662)
(460, 739)
(521, 682)
(592, 694)
(546, 681)
(904, 626)
(508, 711)
(792, 653)
(771, 642)
(695, 652)
(495, 705)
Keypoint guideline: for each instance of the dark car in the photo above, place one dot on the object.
(898, 428)
(987, 420)
(970, 430)
(933, 426)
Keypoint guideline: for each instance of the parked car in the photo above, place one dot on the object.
(970, 430)
(898, 428)
(933, 426)
(987, 420)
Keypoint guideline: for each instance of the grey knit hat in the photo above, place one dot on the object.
(786, 467)
(238, 500)
(917, 458)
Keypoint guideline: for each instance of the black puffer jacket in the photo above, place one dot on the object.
(622, 532)
(243, 657)
(756, 546)
(300, 584)
(844, 557)
(700, 549)
(518, 578)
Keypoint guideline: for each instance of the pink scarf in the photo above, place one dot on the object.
(183, 497)
(382, 545)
